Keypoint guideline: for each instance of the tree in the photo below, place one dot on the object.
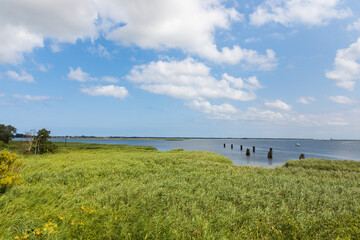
(29, 136)
(7, 132)
(42, 143)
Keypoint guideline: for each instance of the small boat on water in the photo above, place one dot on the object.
(297, 144)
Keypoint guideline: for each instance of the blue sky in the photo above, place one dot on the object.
(190, 68)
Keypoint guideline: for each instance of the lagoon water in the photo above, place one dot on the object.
(283, 150)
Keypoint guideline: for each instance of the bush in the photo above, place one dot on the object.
(9, 167)
(2, 144)
(42, 143)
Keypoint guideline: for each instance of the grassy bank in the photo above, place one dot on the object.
(93, 191)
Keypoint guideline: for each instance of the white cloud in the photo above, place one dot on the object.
(306, 100)
(287, 12)
(189, 79)
(228, 112)
(22, 77)
(168, 24)
(223, 111)
(99, 50)
(354, 26)
(347, 68)
(25, 24)
(15, 41)
(253, 113)
(109, 79)
(278, 104)
(342, 100)
(31, 98)
(2, 95)
(79, 75)
(189, 25)
(109, 90)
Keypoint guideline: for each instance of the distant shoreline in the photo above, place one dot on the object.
(188, 138)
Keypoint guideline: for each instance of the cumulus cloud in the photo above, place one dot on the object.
(22, 77)
(108, 90)
(189, 25)
(25, 25)
(78, 75)
(2, 95)
(255, 114)
(287, 12)
(342, 100)
(278, 104)
(31, 98)
(347, 69)
(306, 100)
(223, 111)
(189, 79)
(15, 41)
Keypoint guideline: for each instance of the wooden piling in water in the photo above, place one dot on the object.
(224, 145)
(232, 146)
(270, 154)
(241, 148)
(302, 156)
(253, 148)
(247, 152)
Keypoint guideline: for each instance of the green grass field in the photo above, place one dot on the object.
(93, 191)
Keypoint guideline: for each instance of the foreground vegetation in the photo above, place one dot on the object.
(93, 191)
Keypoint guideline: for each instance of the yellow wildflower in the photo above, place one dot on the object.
(61, 218)
(83, 208)
(25, 236)
(17, 237)
(80, 223)
(72, 222)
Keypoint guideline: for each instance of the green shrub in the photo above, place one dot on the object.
(177, 150)
(9, 167)
(42, 144)
(2, 144)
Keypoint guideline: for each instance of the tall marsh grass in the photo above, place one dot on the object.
(93, 191)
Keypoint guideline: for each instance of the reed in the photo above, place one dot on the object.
(94, 191)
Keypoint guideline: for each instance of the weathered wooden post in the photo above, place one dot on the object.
(232, 146)
(247, 152)
(240, 147)
(253, 148)
(270, 154)
(224, 145)
(302, 156)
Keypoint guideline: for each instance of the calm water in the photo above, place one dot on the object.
(283, 150)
